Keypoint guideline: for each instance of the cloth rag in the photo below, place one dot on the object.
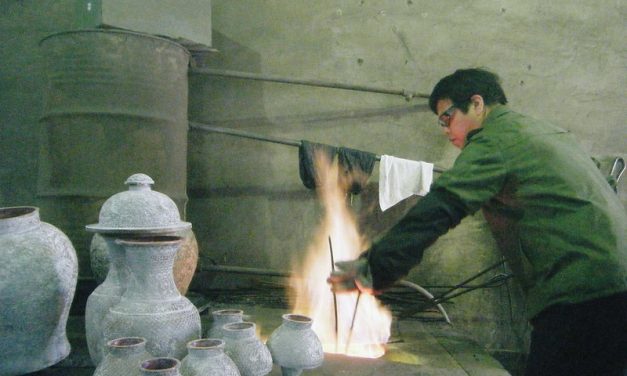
(401, 178)
(307, 154)
(355, 168)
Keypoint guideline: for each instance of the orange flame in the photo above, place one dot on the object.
(313, 296)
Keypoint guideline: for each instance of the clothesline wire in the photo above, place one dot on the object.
(253, 136)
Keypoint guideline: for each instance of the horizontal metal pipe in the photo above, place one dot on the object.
(235, 132)
(276, 140)
(334, 85)
(244, 270)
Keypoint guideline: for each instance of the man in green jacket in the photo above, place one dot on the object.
(560, 226)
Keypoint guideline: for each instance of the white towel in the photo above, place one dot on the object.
(400, 178)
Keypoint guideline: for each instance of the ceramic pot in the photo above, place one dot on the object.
(206, 357)
(243, 346)
(141, 211)
(123, 357)
(152, 307)
(295, 346)
(184, 264)
(221, 318)
(104, 297)
(160, 367)
(38, 280)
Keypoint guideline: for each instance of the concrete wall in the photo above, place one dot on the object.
(562, 60)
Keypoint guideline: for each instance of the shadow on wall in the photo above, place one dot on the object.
(217, 164)
(214, 100)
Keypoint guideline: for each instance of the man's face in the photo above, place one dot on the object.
(455, 123)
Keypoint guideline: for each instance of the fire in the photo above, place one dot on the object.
(313, 297)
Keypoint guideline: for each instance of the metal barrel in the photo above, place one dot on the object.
(115, 104)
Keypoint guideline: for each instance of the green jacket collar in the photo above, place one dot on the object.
(495, 113)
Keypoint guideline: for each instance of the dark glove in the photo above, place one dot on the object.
(352, 276)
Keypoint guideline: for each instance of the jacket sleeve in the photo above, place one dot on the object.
(476, 177)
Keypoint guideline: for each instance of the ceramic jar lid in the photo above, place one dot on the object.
(140, 210)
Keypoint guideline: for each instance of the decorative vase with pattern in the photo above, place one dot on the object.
(123, 357)
(38, 275)
(206, 357)
(295, 346)
(243, 346)
(222, 317)
(184, 264)
(104, 297)
(152, 307)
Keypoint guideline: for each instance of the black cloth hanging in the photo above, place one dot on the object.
(307, 161)
(355, 168)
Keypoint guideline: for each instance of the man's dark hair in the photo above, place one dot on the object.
(463, 84)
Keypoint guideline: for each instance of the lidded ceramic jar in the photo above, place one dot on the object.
(206, 357)
(160, 367)
(38, 275)
(140, 210)
(222, 317)
(123, 357)
(295, 346)
(243, 346)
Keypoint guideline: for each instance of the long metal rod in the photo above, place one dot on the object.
(276, 140)
(334, 295)
(444, 296)
(489, 283)
(333, 85)
(350, 332)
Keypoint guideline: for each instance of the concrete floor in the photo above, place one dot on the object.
(416, 348)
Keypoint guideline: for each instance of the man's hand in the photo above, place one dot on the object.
(352, 276)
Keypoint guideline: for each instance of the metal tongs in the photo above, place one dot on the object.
(350, 332)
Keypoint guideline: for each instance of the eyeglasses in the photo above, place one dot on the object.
(445, 119)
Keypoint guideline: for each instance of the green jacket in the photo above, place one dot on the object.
(559, 224)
